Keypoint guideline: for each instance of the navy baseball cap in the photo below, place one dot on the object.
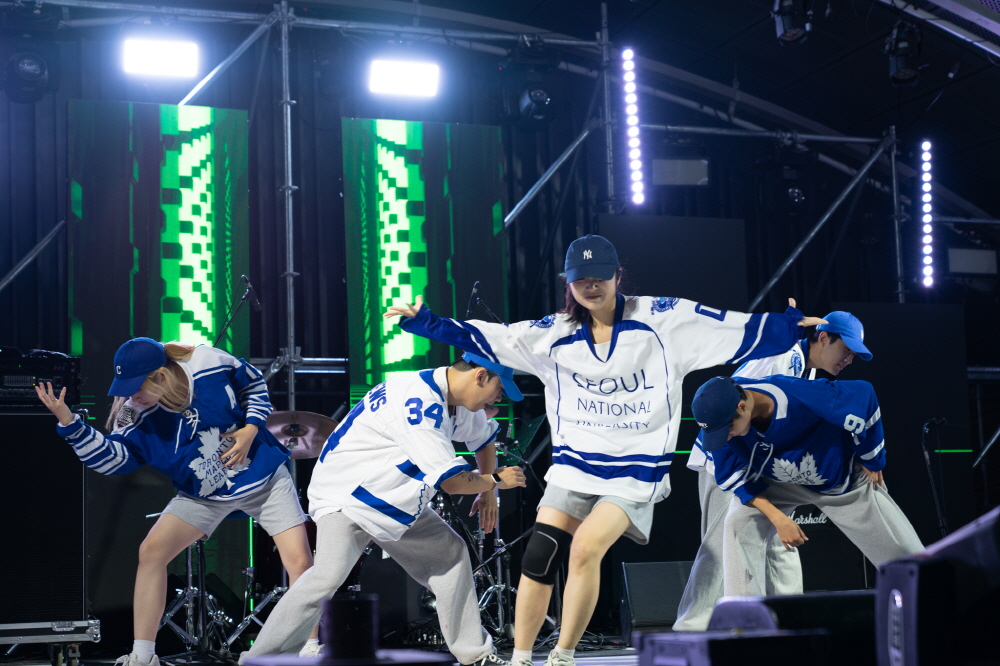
(713, 406)
(849, 328)
(591, 257)
(133, 361)
(506, 374)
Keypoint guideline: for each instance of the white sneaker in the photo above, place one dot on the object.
(521, 662)
(556, 659)
(491, 660)
(132, 660)
(311, 650)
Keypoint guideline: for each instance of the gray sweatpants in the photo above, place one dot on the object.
(429, 551)
(868, 516)
(783, 574)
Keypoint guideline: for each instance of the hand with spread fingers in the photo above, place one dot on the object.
(405, 310)
(489, 510)
(55, 404)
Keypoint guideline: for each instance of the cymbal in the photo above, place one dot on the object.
(302, 433)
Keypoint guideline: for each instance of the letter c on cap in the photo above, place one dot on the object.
(118, 369)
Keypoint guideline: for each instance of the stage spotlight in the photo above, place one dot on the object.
(31, 70)
(792, 20)
(928, 216)
(903, 49)
(632, 120)
(160, 58)
(404, 78)
(535, 104)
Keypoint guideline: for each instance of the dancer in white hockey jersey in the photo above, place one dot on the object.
(612, 368)
(831, 347)
(196, 414)
(375, 476)
(781, 442)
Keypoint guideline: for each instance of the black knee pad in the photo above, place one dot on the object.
(547, 549)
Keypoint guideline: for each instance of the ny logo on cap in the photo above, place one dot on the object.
(588, 254)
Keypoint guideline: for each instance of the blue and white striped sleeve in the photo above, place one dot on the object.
(501, 343)
(855, 408)
(731, 476)
(105, 454)
(252, 392)
(710, 336)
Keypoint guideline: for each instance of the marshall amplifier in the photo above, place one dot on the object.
(20, 373)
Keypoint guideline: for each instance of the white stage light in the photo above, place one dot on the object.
(928, 217)
(404, 78)
(632, 121)
(154, 57)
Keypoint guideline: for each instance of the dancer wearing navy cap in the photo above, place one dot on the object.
(781, 442)
(373, 481)
(612, 368)
(831, 347)
(197, 415)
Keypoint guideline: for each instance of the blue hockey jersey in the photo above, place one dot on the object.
(225, 393)
(816, 431)
(614, 416)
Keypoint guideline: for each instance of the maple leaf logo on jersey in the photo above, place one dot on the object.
(209, 468)
(663, 304)
(796, 365)
(804, 474)
(545, 322)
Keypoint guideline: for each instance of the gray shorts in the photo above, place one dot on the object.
(579, 506)
(276, 507)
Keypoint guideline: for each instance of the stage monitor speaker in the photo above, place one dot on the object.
(849, 617)
(940, 606)
(726, 648)
(42, 575)
(651, 592)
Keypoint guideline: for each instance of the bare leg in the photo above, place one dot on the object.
(533, 597)
(591, 541)
(167, 538)
(296, 556)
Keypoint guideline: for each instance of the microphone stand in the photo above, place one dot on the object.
(942, 521)
(474, 300)
(229, 321)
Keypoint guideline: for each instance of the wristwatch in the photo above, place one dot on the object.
(496, 477)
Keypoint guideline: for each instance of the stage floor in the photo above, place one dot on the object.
(598, 657)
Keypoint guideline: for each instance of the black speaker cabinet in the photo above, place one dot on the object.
(43, 570)
(651, 592)
(849, 617)
(940, 606)
(725, 648)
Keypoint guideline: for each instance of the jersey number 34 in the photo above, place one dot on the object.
(417, 412)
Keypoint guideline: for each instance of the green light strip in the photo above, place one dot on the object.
(186, 240)
(402, 248)
(953, 451)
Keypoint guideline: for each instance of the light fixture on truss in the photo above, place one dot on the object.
(926, 204)
(160, 58)
(405, 78)
(636, 185)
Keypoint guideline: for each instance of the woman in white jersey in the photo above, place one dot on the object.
(612, 368)
(196, 414)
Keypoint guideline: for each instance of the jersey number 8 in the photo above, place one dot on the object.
(435, 412)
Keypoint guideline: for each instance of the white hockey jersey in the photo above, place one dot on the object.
(386, 460)
(614, 421)
(790, 364)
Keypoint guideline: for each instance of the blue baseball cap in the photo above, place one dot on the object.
(506, 374)
(713, 406)
(849, 328)
(133, 361)
(591, 257)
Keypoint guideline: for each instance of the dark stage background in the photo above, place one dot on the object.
(850, 261)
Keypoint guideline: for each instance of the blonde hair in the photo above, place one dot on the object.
(169, 383)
